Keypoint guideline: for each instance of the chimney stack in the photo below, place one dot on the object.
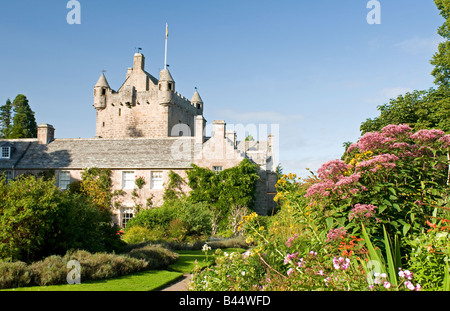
(45, 134)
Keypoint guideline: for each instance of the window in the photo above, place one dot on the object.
(6, 153)
(217, 169)
(64, 180)
(170, 86)
(120, 112)
(127, 215)
(157, 180)
(128, 180)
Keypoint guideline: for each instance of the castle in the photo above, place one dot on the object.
(146, 129)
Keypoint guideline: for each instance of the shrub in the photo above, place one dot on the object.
(138, 234)
(38, 220)
(49, 271)
(196, 218)
(157, 256)
(153, 217)
(14, 274)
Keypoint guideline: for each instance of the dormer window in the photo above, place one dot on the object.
(5, 152)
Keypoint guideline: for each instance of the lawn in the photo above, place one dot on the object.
(142, 281)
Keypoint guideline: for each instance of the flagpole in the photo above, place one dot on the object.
(165, 53)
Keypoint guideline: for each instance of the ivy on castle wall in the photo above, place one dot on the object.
(235, 186)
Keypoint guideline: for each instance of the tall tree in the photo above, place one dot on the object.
(5, 119)
(24, 123)
(441, 59)
(423, 109)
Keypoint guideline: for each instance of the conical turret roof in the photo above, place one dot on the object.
(164, 75)
(102, 82)
(196, 98)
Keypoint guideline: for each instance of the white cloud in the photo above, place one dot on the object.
(384, 95)
(419, 45)
(259, 116)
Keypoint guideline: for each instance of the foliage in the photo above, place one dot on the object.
(17, 119)
(5, 119)
(334, 226)
(173, 191)
(53, 270)
(222, 190)
(37, 219)
(176, 220)
(419, 109)
(96, 185)
(441, 71)
(431, 249)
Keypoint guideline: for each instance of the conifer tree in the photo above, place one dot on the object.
(5, 119)
(24, 123)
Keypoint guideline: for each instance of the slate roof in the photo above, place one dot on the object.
(129, 153)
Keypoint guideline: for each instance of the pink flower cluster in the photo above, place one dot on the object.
(445, 140)
(335, 234)
(290, 240)
(333, 168)
(407, 276)
(362, 211)
(394, 130)
(290, 257)
(341, 263)
(380, 278)
(380, 161)
(373, 140)
(427, 136)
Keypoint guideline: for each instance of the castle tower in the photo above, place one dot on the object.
(144, 106)
(100, 89)
(197, 101)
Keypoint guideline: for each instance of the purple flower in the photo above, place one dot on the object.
(335, 234)
(393, 130)
(362, 211)
(341, 263)
(427, 136)
(290, 271)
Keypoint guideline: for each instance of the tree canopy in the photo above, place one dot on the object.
(17, 119)
(422, 109)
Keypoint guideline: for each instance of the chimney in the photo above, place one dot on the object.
(219, 129)
(45, 134)
(199, 129)
(139, 62)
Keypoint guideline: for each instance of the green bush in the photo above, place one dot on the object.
(157, 256)
(14, 274)
(196, 218)
(37, 219)
(176, 220)
(49, 271)
(153, 217)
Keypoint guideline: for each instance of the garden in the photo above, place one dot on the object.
(376, 220)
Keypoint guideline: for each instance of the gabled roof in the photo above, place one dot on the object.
(127, 153)
(18, 149)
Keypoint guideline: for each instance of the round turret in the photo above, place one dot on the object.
(100, 89)
(166, 87)
(197, 101)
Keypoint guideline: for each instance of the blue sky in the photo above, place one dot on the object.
(316, 68)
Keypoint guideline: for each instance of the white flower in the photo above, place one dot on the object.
(243, 273)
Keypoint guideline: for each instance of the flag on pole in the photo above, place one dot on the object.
(167, 31)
